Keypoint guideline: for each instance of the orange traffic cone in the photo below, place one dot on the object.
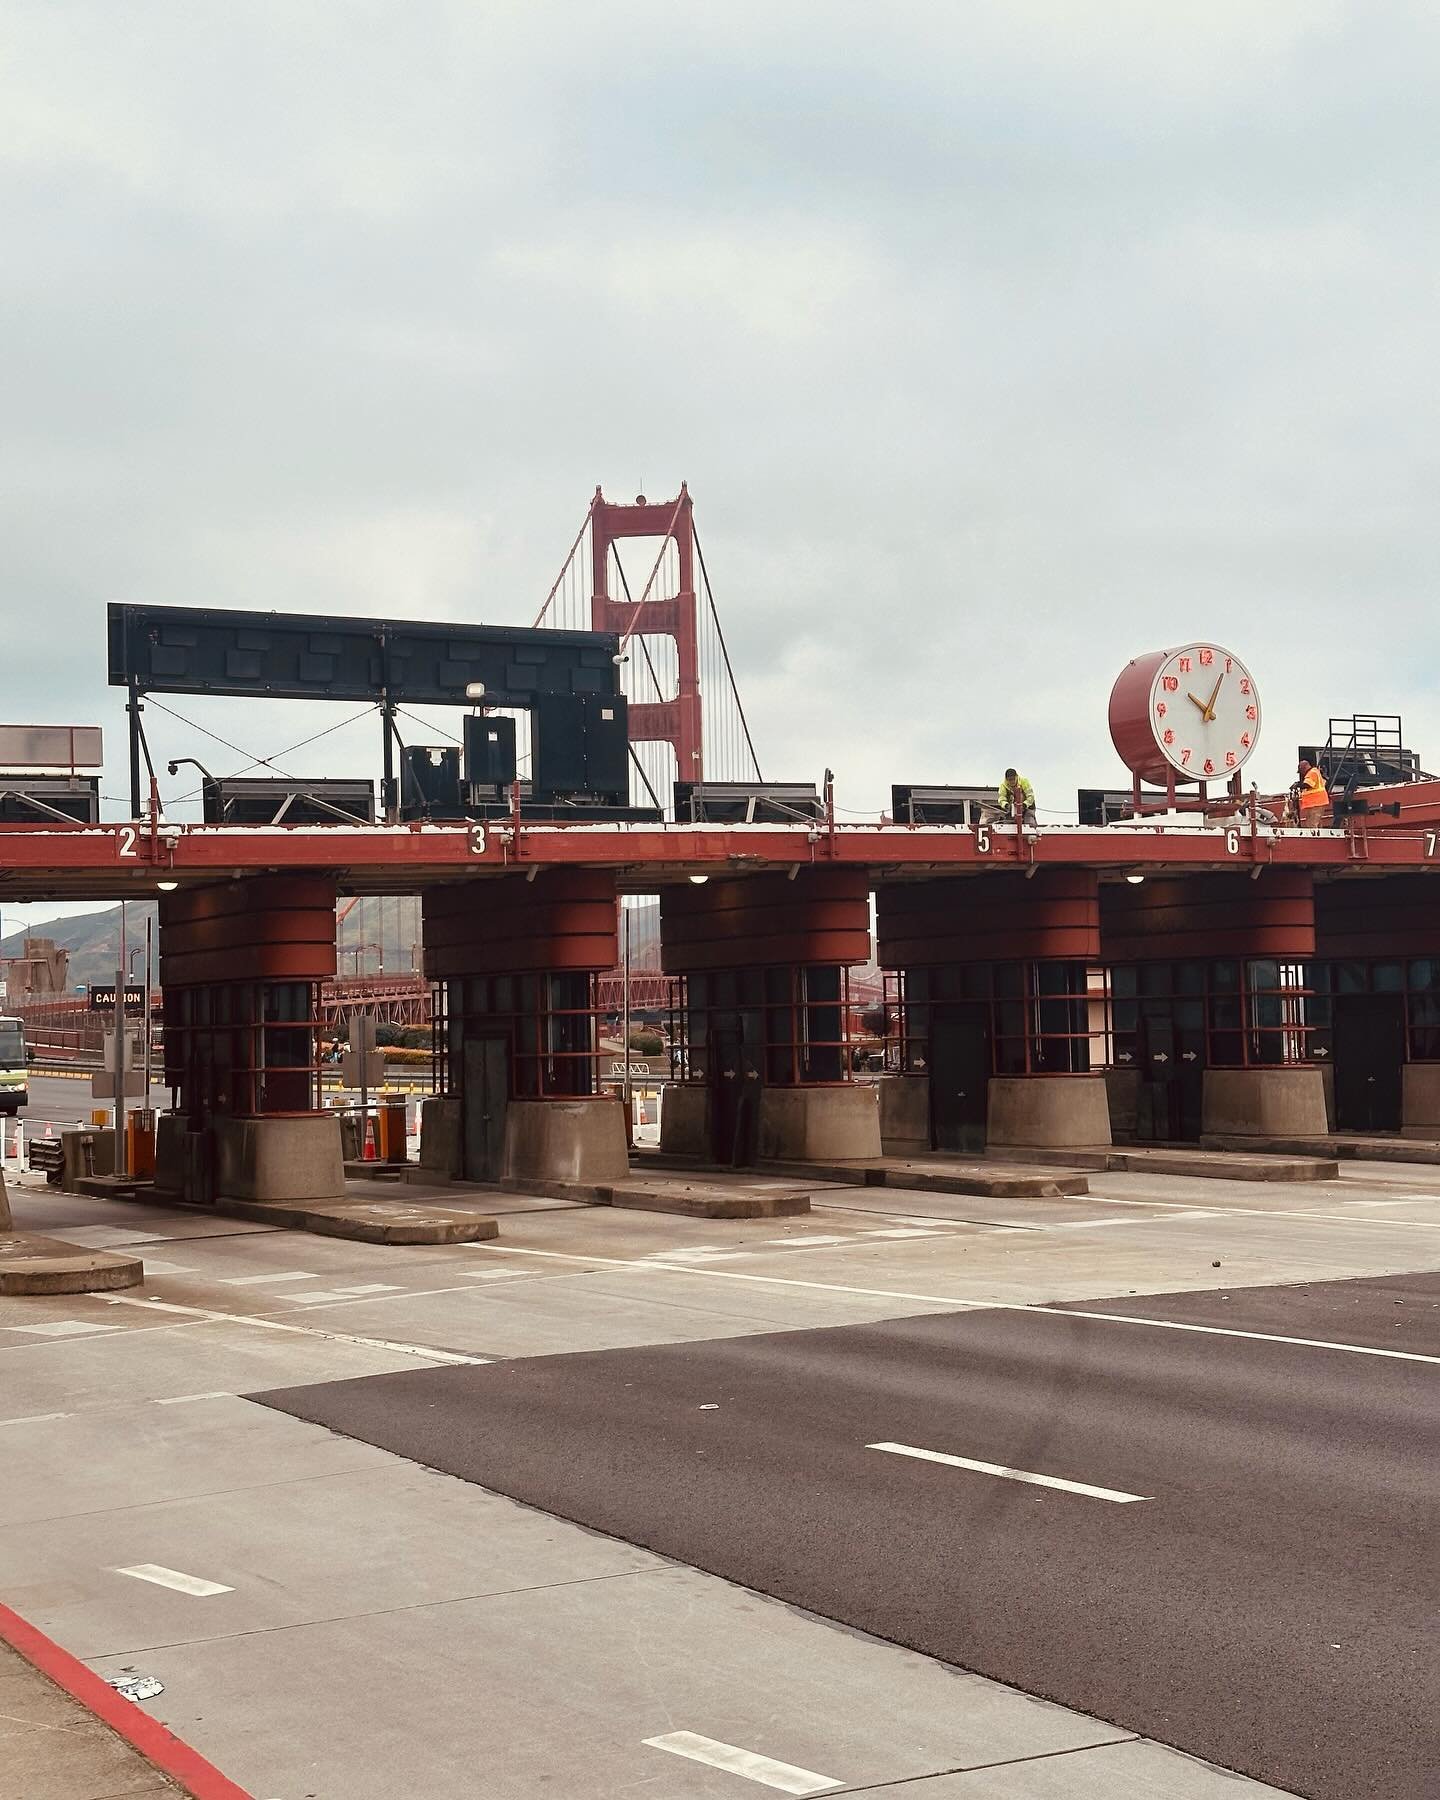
(369, 1151)
(49, 1129)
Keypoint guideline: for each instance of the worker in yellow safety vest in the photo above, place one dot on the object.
(1015, 787)
(1312, 796)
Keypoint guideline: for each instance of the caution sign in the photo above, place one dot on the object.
(102, 998)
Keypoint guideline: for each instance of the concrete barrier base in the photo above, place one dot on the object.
(441, 1146)
(89, 1150)
(904, 1114)
(819, 1124)
(1420, 1105)
(566, 1140)
(41, 1265)
(685, 1119)
(1263, 1103)
(1057, 1112)
(292, 1157)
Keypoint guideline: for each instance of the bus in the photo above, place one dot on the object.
(14, 1067)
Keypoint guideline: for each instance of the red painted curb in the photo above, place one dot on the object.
(169, 1754)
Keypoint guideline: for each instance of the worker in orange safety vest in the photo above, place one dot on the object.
(1312, 796)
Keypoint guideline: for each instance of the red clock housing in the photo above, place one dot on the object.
(1192, 714)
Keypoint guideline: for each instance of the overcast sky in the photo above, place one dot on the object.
(998, 343)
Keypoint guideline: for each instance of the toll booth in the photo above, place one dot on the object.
(1000, 1017)
(515, 959)
(1376, 1006)
(241, 963)
(1210, 1014)
(760, 1026)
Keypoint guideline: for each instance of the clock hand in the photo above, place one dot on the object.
(1214, 694)
(1194, 702)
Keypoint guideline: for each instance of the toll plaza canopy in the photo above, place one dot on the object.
(117, 861)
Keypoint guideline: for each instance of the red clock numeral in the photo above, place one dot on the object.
(1184, 756)
(1184, 665)
(1206, 658)
(1229, 664)
(1252, 714)
(1244, 740)
(1168, 737)
(1244, 685)
(1170, 684)
(1209, 766)
(1229, 759)
(1160, 709)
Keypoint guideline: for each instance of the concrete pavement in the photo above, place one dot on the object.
(382, 1629)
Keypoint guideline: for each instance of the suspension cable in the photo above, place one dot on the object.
(259, 761)
(565, 566)
(724, 651)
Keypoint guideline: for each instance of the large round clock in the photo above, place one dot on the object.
(1195, 711)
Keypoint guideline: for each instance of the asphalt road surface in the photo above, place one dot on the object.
(1232, 1546)
(61, 1101)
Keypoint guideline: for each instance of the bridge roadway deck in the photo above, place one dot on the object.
(350, 1624)
(102, 862)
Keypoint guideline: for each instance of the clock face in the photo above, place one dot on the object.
(1204, 712)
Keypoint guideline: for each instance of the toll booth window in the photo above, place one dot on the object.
(1389, 978)
(1350, 977)
(1225, 978)
(1424, 975)
(1424, 1022)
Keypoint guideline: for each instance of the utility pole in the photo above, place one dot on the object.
(120, 975)
(625, 1015)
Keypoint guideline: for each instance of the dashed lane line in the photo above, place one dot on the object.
(950, 1301)
(176, 1579)
(1008, 1474)
(786, 1778)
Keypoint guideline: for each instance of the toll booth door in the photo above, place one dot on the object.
(483, 1102)
(959, 1077)
(1369, 1050)
(1170, 1103)
(735, 1089)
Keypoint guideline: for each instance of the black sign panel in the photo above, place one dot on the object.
(300, 656)
(102, 997)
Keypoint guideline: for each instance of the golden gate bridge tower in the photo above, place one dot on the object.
(676, 669)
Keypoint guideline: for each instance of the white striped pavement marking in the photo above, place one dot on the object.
(257, 1280)
(908, 1231)
(785, 1777)
(316, 1331)
(33, 1418)
(175, 1579)
(1053, 1311)
(988, 1468)
(808, 1238)
(184, 1399)
(62, 1328)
